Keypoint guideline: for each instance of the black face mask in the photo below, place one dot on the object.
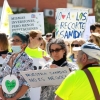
(3, 52)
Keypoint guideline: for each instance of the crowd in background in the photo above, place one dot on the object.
(18, 51)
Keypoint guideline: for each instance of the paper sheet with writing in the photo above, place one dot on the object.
(45, 77)
(26, 22)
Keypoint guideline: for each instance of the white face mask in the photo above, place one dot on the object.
(16, 49)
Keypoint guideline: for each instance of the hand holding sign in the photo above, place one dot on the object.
(53, 66)
(52, 76)
(2, 98)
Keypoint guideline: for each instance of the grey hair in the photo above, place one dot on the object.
(89, 57)
(60, 42)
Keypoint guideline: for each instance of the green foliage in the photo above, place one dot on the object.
(20, 11)
(97, 10)
(48, 27)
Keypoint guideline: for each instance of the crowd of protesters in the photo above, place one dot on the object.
(80, 56)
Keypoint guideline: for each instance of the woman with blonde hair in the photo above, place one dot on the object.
(43, 45)
(38, 55)
(33, 49)
(75, 43)
(68, 47)
(95, 38)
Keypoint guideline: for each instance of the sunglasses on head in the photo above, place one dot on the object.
(75, 45)
(48, 35)
(56, 50)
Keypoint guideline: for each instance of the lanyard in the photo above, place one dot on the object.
(15, 62)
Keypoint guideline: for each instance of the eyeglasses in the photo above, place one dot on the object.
(75, 45)
(91, 40)
(56, 50)
(48, 35)
(16, 40)
(40, 38)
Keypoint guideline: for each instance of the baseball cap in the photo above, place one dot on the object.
(90, 49)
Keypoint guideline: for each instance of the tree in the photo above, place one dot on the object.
(48, 27)
(23, 10)
(97, 10)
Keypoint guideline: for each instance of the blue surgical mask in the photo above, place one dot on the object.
(16, 49)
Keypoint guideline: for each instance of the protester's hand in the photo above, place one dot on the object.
(53, 66)
(4, 56)
(46, 58)
(2, 98)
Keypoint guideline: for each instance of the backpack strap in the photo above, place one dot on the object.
(93, 84)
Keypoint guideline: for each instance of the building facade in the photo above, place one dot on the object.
(46, 6)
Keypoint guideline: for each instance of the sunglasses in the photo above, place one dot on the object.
(40, 38)
(75, 45)
(56, 50)
(91, 40)
(48, 35)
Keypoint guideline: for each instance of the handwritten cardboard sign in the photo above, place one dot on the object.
(70, 22)
(45, 77)
(26, 22)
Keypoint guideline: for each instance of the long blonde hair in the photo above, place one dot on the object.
(97, 37)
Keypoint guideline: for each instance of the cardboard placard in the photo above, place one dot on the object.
(70, 22)
(45, 77)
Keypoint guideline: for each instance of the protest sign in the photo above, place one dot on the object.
(70, 22)
(26, 22)
(87, 33)
(39, 63)
(46, 77)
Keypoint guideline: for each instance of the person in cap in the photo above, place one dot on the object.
(76, 86)
(95, 38)
(13, 64)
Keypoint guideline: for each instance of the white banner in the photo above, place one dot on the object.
(90, 21)
(70, 22)
(26, 22)
(46, 77)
